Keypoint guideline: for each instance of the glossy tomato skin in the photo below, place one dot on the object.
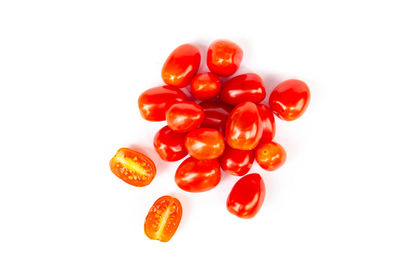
(205, 86)
(236, 162)
(133, 167)
(163, 219)
(270, 155)
(224, 57)
(268, 122)
(195, 175)
(181, 65)
(242, 88)
(243, 127)
(205, 143)
(247, 196)
(216, 114)
(170, 145)
(154, 103)
(290, 99)
(184, 116)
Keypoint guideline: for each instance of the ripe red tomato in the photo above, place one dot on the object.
(205, 86)
(163, 219)
(205, 143)
(224, 57)
(242, 88)
(195, 175)
(290, 99)
(133, 167)
(170, 145)
(243, 127)
(184, 116)
(154, 102)
(216, 114)
(267, 121)
(247, 196)
(181, 65)
(270, 156)
(236, 162)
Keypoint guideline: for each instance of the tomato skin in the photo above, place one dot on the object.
(270, 155)
(268, 122)
(205, 86)
(236, 162)
(243, 127)
(247, 196)
(184, 116)
(154, 102)
(224, 57)
(290, 99)
(181, 65)
(216, 114)
(170, 145)
(195, 175)
(205, 143)
(133, 167)
(155, 227)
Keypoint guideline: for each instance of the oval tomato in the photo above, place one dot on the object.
(170, 145)
(205, 143)
(267, 121)
(236, 162)
(270, 156)
(205, 86)
(215, 115)
(224, 57)
(184, 116)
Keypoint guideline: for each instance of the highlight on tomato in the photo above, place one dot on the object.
(205, 86)
(184, 116)
(224, 57)
(170, 145)
(205, 143)
(236, 162)
(268, 122)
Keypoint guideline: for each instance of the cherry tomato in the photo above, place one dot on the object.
(247, 196)
(154, 102)
(290, 99)
(236, 162)
(195, 175)
(170, 145)
(243, 127)
(224, 57)
(216, 114)
(205, 143)
(267, 121)
(205, 86)
(270, 156)
(242, 88)
(181, 65)
(163, 219)
(184, 116)
(133, 167)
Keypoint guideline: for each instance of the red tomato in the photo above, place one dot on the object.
(267, 121)
(236, 162)
(270, 156)
(195, 175)
(205, 143)
(163, 219)
(184, 116)
(247, 196)
(216, 114)
(181, 65)
(290, 99)
(224, 57)
(205, 86)
(170, 145)
(242, 88)
(133, 167)
(154, 102)
(243, 127)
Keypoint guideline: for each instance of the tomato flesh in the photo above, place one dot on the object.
(268, 123)
(205, 86)
(170, 145)
(184, 116)
(236, 162)
(216, 114)
(270, 155)
(205, 143)
(224, 57)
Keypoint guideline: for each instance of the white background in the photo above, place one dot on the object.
(71, 73)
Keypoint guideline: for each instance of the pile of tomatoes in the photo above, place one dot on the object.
(221, 126)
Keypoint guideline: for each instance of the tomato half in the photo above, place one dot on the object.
(267, 121)
(205, 86)
(216, 114)
(163, 219)
(205, 143)
(170, 145)
(224, 57)
(236, 162)
(184, 116)
(270, 156)
(133, 167)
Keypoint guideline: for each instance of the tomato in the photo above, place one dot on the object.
(267, 121)
(247, 196)
(270, 156)
(236, 162)
(205, 143)
(133, 167)
(163, 219)
(290, 99)
(170, 145)
(244, 127)
(224, 57)
(195, 175)
(205, 86)
(242, 88)
(181, 65)
(184, 116)
(154, 102)
(216, 114)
